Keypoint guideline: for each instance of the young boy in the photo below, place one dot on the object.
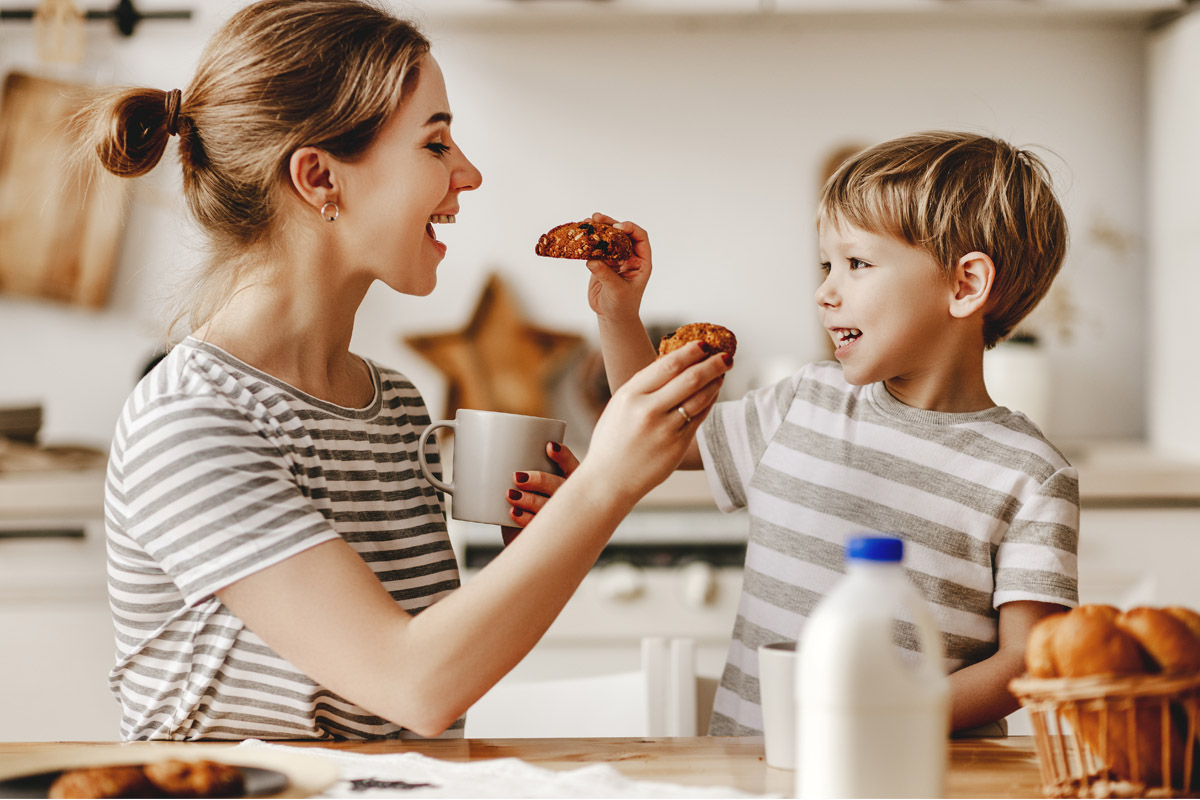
(934, 246)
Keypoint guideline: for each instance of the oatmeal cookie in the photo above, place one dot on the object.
(196, 778)
(126, 780)
(585, 240)
(714, 338)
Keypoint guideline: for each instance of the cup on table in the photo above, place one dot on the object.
(489, 446)
(777, 691)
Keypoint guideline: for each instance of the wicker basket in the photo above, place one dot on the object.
(1103, 736)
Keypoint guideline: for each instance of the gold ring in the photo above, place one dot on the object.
(687, 418)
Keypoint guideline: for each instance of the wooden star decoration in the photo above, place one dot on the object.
(499, 361)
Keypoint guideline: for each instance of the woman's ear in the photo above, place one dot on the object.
(311, 171)
(973, 277)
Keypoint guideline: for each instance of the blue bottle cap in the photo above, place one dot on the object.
(875, 548)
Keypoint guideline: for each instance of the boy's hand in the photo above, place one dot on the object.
(533, 489)
(615, 293)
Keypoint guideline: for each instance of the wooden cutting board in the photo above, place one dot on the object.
(60, 215)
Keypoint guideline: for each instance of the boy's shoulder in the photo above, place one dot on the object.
(999, 432)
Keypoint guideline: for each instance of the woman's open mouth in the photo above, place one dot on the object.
(438, 219)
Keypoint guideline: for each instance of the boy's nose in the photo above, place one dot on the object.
(826, 295)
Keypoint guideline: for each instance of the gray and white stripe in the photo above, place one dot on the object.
(218, 471)
(988, 509)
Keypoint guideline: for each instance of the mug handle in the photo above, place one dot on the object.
(448, 488)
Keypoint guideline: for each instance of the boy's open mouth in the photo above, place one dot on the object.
(844, 336)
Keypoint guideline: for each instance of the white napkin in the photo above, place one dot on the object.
(417, 776)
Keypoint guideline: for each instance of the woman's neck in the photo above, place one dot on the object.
(295, 323)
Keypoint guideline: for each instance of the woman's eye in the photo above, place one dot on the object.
(438, 148)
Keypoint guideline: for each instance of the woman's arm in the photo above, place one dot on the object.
(326, 612)
(979, 693)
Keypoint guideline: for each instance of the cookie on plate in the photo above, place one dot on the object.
(126, 780)
(585, 240)
(715, 338)
(196, 778)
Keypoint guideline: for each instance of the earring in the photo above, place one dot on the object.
(330, 212)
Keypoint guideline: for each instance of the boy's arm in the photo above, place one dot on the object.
(979, 693)
(615, 294)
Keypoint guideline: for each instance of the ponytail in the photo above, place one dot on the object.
(128, 129)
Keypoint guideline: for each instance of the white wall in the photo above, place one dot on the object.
(710, 133)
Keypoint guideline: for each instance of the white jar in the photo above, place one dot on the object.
(873, 722)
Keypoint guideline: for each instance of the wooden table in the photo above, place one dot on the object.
(978, 767)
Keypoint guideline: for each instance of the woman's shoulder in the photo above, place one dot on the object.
(191, 384)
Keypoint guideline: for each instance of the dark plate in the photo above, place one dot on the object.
(259, 783)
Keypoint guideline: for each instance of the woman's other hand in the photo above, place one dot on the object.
(533, 489)
(615, 293)
(652, 420)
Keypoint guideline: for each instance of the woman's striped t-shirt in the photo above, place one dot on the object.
(218, 471)
(987, 508)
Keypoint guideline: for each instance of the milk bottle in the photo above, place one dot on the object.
(872, 724)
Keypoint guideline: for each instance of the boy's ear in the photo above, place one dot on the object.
(972, 283)
(311, 171)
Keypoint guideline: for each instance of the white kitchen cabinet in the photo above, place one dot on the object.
(1173, 223)
(1139, 556)
(56, 632)
(533, 9)
(991, 6)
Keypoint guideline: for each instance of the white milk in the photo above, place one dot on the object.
(872, 724)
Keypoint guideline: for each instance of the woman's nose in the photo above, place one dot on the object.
(466, 176)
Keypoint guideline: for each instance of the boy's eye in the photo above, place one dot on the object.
(438, 148)
(857, 263)
(825, 266)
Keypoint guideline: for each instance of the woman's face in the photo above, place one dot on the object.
(408, 181)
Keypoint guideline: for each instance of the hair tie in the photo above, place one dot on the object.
(171, 103)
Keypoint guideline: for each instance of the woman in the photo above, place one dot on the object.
(271, 539)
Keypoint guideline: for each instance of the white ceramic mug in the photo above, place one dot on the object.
(489, 446)
(777, 692)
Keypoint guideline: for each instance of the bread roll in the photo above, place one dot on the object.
(1039, 650)
(1100, 640)
(1168, 641)
(1090, 643)
(1187, 617)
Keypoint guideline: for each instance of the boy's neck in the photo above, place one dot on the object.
(953, 386)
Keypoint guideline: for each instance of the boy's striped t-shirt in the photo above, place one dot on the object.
(987, 507)
(218, 471)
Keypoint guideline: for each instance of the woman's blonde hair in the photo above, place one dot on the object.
(949, 194)
(278, 75)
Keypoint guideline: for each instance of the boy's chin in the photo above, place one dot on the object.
(857, 377)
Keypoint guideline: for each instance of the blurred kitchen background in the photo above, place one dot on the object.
(712, 123)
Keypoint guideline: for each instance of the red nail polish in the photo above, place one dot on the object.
(521, 477)
(518, 512)
(728, 359)
(513, 494)
(555, 446)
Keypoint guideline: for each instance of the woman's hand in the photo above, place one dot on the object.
(533, 489)
(615, 293)
(652, 420)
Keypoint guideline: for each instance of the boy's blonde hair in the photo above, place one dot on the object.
(278, 75)
(949, 194)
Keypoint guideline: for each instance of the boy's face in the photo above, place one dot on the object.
(885, 304)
